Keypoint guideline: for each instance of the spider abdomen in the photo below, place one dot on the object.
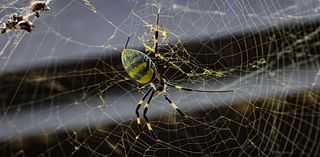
(138, 65)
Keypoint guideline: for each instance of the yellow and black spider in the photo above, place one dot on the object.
(143, 70)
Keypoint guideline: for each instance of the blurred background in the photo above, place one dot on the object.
(64, 92)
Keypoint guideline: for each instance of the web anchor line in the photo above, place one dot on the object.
(198, 90)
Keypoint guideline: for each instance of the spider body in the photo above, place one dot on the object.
(138, 65)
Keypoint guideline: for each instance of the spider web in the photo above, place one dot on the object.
(64, 91)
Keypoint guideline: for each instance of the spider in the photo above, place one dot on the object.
(141, 68)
